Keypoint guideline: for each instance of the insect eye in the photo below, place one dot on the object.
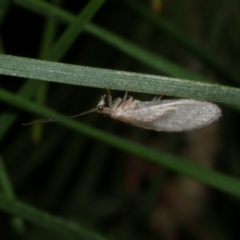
(100, 107)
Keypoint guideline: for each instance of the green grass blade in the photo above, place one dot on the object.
(103, 78)
(7, 190)
(220, 19)
(45, 9)
(46, 220)
(7, 119)
(4, 7)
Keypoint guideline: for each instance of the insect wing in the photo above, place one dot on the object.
(173, 115)
(154, 103)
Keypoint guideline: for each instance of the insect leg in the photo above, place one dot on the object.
(116, 103)
(109, 96)
(158, 97)
(126, 93)
(165, 93)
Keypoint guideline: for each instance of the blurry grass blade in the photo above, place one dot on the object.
(219, 21)
(145, 56)
(45, 9)
(49, 34)
(174, 32)
(7, 190)
(4, 7)
(46, 220)
(75, 28)
(5, 185)
(7, 119)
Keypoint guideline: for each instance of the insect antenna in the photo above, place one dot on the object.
(58, 119)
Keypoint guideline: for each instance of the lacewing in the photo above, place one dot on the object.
(159, 115)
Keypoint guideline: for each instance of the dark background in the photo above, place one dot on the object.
(79, 178)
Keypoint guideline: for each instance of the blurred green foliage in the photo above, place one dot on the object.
(94, 178)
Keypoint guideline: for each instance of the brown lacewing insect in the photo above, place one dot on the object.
(159, 115)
